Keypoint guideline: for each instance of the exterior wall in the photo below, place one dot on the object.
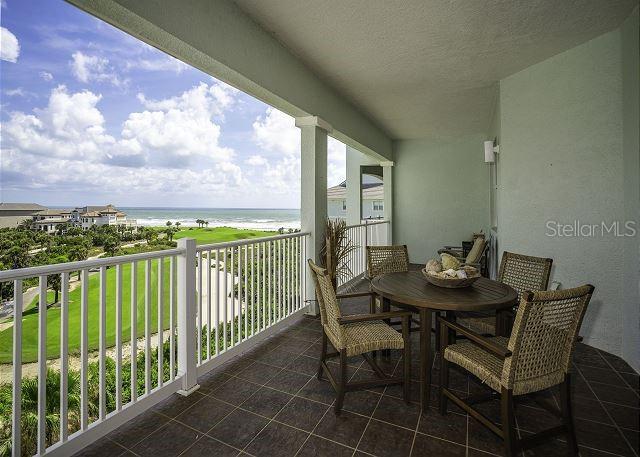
(441, 193)
(561, 160)
(631, 152)
(13, 221)
(334, 209)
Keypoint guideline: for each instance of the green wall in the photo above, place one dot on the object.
(562, 160)
(441, 193)
(631, 151)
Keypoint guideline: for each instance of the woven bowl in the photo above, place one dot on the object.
(450, 283)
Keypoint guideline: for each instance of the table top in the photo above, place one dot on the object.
(412, 288)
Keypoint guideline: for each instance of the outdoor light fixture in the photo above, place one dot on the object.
(490, 151)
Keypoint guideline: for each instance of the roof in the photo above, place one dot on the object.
(369, 192)
(58, 220)
(54, 212)
(21, 207)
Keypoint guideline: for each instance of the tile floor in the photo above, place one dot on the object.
(268, 403)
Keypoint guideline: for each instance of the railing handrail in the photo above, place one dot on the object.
(367, 224)
(230, 244)
(66, 267)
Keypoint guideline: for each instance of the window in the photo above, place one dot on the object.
(377, 205)
(344, 205)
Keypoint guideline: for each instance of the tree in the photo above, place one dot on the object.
(170, 231)
(200, 222)
(206, 223)
(168, 224)
(78, 252)
(110, 245)
(178, 224)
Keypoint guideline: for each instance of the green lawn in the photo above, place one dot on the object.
(30, 316)
(219, 234)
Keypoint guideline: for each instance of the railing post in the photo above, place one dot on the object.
(187, 317)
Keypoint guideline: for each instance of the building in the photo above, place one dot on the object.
(50, 219)
(12, 214)
(88, 216)
(372, 201)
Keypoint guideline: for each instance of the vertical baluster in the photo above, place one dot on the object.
(118, 337)
(16, 429)
(259, 286)
(296, 255)
(290, 269)
(134, 331)
(209, 263)
(102, 317)
(263, 286)
(64, 356)
(224, 299)
(279, 279)
(217, 309)
(233, 296)
(84, 351)
(172, 322)
(147, 326)
(239, 297)
(253, 280)
(246, 294)
(304, 270)
(269, 285)
(42, 365)
(160, 321)
(199, 306)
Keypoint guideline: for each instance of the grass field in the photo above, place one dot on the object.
(30, 316)
(219, 234)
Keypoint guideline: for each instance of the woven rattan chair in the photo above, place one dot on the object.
(386, 259)
(536, 357)
(522, 272)
(357, 335)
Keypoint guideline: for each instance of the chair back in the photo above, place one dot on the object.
(475, 254)
(543, 337)
(327, 301)
(386, 259)
(524, 272)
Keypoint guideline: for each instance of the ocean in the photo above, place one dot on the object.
(246, 218)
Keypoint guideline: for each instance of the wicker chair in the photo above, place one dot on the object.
(386, 259)
(536, 357)
(522, 272)
(357, 335)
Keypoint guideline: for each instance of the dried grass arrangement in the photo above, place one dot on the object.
(336, 249)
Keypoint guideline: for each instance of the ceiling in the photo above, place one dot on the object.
(429, 68)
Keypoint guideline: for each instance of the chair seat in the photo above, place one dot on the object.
(484, 325)
(361, 337)
(484, 365)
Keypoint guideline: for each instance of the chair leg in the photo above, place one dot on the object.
(444, 368)
(508, 423)
(323, 355)
(342, 383)
(406, 335)
(437, 331)
(567, 414)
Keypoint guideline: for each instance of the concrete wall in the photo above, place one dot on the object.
(631, 159)
(441, 193)
(218, 38)
(562, 160)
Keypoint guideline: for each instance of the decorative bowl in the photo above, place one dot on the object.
(450, 283)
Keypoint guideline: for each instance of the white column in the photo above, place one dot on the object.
(314, 190)
(387, 180)
(354, 186)
(187, 330)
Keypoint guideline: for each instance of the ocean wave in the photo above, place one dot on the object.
(257, 224)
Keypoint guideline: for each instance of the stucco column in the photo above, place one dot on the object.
(387, 181)
(354, 186)
(313, 190)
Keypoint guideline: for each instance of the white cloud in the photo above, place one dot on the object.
(163, 64)
(9, 46)
(277, 132)
(46, 75)
(17, 92)
(256, 161)
(88, 68)
(173, 148)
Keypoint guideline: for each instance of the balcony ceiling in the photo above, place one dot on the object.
(428, 68)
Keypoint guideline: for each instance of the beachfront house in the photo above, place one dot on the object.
(516, 118)
(372, 201)
(13, 214)
(50, 219)
(89, 216)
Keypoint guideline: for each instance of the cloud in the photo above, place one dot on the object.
(88, 68)
(275, 132)
(46, 75)
(163, 64)
(17, 92)
(256, 161)
(10, 48)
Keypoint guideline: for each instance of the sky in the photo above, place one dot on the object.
(91, 115)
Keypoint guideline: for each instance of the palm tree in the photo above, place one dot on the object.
(178, 224)
(206, 223)
(168, 224)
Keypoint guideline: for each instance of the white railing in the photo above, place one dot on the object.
(138, 328)
(375, 233)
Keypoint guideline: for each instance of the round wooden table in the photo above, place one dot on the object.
(411, 290)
